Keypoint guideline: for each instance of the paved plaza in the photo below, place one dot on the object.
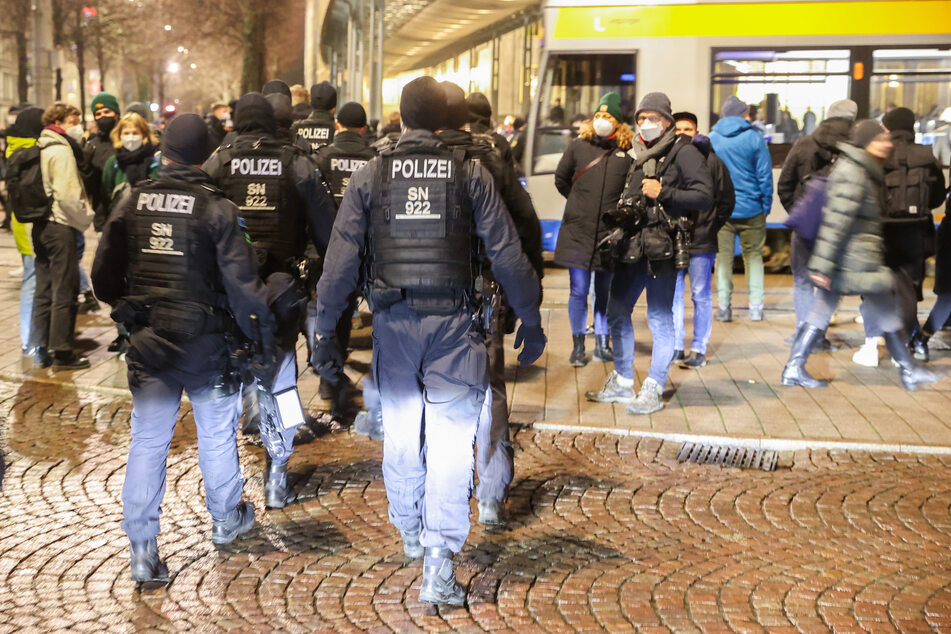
(608, 531)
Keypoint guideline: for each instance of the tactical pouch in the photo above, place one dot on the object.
(180, 321)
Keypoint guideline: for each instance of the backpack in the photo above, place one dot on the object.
(907, 186)
(28, 198)
(805, 217)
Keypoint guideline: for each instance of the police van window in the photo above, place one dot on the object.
(573, 84)
(920, 80)
(788, 90)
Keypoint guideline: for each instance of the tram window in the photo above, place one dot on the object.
(573, 85)
(789, 90)
(920, 80)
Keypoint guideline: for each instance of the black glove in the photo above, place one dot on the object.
(264, 368)
(535, 340)
(327, 358)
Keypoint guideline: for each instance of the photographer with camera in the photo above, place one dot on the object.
(667, 186)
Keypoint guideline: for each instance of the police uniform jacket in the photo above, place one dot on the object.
(347, 144)
(320, 117)
(201, 359)
(493, 226)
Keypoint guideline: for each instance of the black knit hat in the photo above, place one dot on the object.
(254, 113)
(457, 113)
(323, 96)
(29, 124)
(283, 112)
(423, 104)
(899, 119)
(352, 115)
(685, 116)
(186, 140)
(865, 131)
(655, 102)
(276, 86)
(480, 110)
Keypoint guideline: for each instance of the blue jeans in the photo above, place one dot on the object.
(27, 288)
(155, 405)
(84, 285)
(579, 282)
(629, 282)
(701, 291)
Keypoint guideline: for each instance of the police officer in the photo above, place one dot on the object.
(174, 264)
(283, 199)
(494, 455)
(415, 218)
(317, 130)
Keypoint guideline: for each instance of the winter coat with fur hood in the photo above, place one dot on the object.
(596, 191)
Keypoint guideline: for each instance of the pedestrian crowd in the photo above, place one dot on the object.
(223, 239)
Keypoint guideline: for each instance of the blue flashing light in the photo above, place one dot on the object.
(627, 77)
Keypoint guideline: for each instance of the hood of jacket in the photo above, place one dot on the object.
(623, 136)
(48, 138)
(15, 143)
(732, 126)
(831, 132)
(863, 158)
(702, 142)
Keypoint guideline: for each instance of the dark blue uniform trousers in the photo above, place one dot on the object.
(156, 399)
(432, 376)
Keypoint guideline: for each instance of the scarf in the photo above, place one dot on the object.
(647, 156)
(135, 165)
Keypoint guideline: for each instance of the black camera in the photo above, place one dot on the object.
(683, 234)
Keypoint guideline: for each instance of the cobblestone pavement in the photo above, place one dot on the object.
(607, 533)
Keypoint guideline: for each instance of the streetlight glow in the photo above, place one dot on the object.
(168, 27)
(173, 67)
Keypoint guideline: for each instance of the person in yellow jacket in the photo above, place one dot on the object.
(23, 134)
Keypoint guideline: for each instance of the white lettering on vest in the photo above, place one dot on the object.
(311, 133)
(416, 168)
(256, 167)
(346, 164)
(170, 203)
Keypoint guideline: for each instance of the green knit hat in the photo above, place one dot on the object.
(611, 103)
(105, 100)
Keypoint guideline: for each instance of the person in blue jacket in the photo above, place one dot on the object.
(744, 151)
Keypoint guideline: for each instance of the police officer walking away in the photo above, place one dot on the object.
(317, 130)
(416, 218)
(283, 200)
(494, 454)
(174, 264)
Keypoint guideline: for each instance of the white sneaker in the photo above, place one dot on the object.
(16, 272)
(867, 354)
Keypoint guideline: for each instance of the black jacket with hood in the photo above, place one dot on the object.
(710, 221)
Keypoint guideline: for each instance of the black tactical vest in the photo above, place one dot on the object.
(257, 177)
(316, 134)
(338, 166)
(169, 256)
(422, 232)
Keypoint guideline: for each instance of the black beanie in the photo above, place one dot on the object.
(323, 96)
(185, 140)
(864, 132)
(685, 116)
(352, 115)
(899, 119)
(457, 114)
(480, 110)
(29, 124)
(254, 113)
(423, 104)
(283, 112)
(276, 86)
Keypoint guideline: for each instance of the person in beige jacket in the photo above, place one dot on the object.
(54, 240)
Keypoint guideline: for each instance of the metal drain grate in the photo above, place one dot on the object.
(739, 457)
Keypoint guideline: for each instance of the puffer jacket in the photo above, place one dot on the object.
(746, 155)
(596, 191)
(62, 181)
(849, 248)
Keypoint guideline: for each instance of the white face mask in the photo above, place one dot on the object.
(131, 142)
(75, 132)
(603, 127)
(650, 131)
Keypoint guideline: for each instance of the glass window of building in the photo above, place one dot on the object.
(572, 86)
(788, 90)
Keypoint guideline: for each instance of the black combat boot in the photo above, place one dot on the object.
(577, 358)
(919, 344)
(237, 523)
(795, 371)
(912, 374)
(277, 493)
(602, 349)
(146, 565)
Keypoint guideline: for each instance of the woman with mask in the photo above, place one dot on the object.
(849, 257)
(136, 159)
(591, 175)
(54, 240)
